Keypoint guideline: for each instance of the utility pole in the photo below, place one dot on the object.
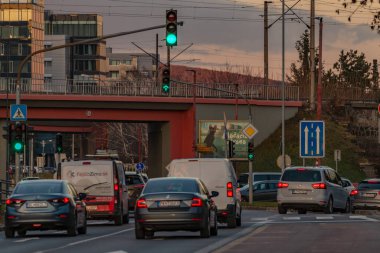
(319, 89)
(157, 59)
(168, 61)
(312, 56)
(266, 28)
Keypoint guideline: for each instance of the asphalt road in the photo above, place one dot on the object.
(261, 231)
(103, 236)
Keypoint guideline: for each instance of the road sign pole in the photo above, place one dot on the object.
(250, 181)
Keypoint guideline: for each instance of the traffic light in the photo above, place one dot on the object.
(231, 149)
(251, 155)
(18, 143)
(171, 27)
(58, 143)
(166, 80)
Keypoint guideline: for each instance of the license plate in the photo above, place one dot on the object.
(299, 192)
(169, 203)
(36, 204)
(91, 208)
(369, 195)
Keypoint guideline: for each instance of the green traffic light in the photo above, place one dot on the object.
(165, 88)
(250, 156)
(171, 39)
(18, 146)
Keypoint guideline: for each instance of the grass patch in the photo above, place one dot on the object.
(336, 138)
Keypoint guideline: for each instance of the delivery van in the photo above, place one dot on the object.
(104, 183)
(218, 175)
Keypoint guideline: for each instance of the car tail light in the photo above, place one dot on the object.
(230, 191)
(196, 202)
(116, 187)
(301, 169)
(319, 186)
(14, 201)
(282, 185)
(61, 200)
(354, 192)
(141, 203)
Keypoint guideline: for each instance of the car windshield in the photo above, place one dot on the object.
(301, 175)
(369, 185)
(133, 179)
(38, 187)
(171, 185)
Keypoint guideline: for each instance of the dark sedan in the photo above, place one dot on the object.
(262, 191)
(135, 182)
(367, 196)
(169, 204)
(44, 205)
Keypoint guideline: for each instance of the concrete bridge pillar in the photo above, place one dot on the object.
(159, 148)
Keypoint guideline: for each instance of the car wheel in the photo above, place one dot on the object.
(238, 220)
(9, 232)
(139, 231)
(329, 209)
(347, 208)
(205, 231)
(118, 219)
(149, 233)
(21, 232)
(302, 211)
(231, 220)
(83, 230)
(282, 210)
(126, 218)
(72, 229)
(214, 229)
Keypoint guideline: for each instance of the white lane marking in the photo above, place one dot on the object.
(316, 221)
(291, 218)
(324, 218)
(118, 251)
(97, 222)
(87, 240)
(59, 232)
(258, 219)
(358, 217)
(27, 239)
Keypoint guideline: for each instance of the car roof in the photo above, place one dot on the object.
(173, 178)
(39, 181)
(308, 167)
(262, 173)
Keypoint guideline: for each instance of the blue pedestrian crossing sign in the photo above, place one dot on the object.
(312, 139)
(139, 167)
(18, 112)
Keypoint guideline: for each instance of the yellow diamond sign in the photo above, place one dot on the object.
(250, 131)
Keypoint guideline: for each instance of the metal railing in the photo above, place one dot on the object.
(147, 87)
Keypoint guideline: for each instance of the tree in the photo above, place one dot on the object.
(375, 75)
(300, 75)
(353, 70)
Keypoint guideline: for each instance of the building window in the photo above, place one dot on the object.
(11, 67)
(114, 62)
(127, 62)
(2, 48)
(19, 49)
(48, 64)
(114, 74)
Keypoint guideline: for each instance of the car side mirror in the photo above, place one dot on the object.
(214, 194)
(82, 196)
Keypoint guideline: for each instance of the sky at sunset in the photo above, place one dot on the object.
(231, 32)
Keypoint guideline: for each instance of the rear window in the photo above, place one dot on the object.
(302, 176)
(133, 179)
(178, 185)
(39, 187)
(369, 185)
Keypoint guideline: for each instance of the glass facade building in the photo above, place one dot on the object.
(21, 33)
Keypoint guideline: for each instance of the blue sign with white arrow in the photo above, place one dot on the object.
(312, 139)
(18, 112)
(139, 167)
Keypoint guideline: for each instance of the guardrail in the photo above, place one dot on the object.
(147, 88)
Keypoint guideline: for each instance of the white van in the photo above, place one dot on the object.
(218, 175)
(104, 183)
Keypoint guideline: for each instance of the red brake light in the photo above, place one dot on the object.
(230, 192)
(354, 192)
(116, 187)
(196, 202)
(65, 200)
(14, 201)
(229, 185)
(141, 203)
(319, 186)
(62, 200)
(282, 185)
(8, 202)
(301, 169)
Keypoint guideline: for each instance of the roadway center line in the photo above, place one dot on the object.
(27, 239)
(324, 218)
(259, 219)
(291, 218)
(87, 240)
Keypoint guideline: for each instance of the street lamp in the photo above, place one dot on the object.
(194, 108)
